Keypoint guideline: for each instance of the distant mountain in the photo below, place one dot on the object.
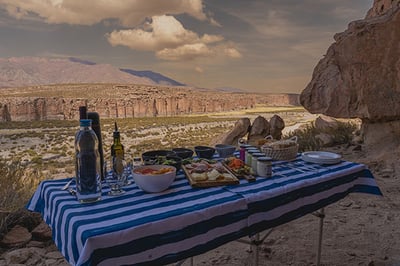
(156, 77)
(31, 71)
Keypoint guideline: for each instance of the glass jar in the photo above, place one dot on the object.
(249, 154)
(254, 161)
(264, 166)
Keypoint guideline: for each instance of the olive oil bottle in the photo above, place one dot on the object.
(117, 149)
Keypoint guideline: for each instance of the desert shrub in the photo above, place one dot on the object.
(342, 134)
(17, 185)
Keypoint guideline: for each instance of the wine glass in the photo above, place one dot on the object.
(116, 175)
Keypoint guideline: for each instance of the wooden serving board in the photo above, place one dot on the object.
(249, 178)
(210, 183)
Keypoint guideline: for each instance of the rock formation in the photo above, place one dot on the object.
(360, 75)
(111, 101)
(277, 125)
(240, 130)
(259, 130)
(253, 133)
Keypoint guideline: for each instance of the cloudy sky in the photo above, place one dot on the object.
(255, 45)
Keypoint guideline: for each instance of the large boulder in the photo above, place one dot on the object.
(232, 137)
(259, 130)
(277, 125)
(359, 77)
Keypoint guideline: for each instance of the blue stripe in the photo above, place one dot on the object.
(144, 220)
(306, 209)
(142, 244)
(282, 199)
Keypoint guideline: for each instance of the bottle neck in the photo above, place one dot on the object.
(85, 127)
(117, 140)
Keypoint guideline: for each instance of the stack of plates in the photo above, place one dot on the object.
(321, 157)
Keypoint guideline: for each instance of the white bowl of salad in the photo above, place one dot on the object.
(154, 178)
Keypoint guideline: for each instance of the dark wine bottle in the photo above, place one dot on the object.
(94, 116)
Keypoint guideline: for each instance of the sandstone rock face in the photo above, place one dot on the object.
(360, 74)
(380, 7)
(112, 101)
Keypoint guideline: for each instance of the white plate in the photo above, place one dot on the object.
(321, 157)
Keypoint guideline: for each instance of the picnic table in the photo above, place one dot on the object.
(139, 228)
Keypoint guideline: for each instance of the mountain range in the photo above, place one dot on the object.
(30, 71)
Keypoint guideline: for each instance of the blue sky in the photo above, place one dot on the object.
(255, 45)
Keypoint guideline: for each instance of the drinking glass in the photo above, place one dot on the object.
(115, 175)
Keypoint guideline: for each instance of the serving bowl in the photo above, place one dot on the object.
(149, 157)
(204, 152)
(183, 152)
(154, 178)
(169, 160)
(225, 150)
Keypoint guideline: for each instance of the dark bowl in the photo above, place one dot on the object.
(183, 152)
(174, 161)
(204, 152)
(149, 156)
(225, 150)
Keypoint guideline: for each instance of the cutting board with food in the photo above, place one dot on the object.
(208, 173)
(239, 169)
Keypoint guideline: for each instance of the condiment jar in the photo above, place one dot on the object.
(254, 161)
(264, 166)
(242, 152)
(249, 155)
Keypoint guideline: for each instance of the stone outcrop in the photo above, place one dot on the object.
(112, 101)
(253, 133)
(240, 130)
(380, 7)
(359, 77)
(277, 125)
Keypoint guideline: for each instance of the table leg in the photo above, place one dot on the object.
(321, 215)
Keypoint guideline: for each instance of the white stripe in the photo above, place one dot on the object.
(178, 246)
(164, 226)
(293, 205)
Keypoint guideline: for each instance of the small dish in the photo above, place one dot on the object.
(225, 150)
(184, 153)
(204, 152)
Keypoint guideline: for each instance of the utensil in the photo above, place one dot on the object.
(66, 186)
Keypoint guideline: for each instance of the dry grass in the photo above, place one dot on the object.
(307, 141)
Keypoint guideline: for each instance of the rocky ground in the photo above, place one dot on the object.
(361, 229)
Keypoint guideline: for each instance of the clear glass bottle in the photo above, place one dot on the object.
(87, 166)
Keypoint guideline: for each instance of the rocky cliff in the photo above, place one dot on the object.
(111, 100)
(360, 76)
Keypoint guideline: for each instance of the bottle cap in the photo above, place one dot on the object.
(85, 122)
(264, 159)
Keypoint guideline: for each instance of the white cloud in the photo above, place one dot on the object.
(89, 12)
(167, 37)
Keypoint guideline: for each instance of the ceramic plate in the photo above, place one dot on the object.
(321, 157)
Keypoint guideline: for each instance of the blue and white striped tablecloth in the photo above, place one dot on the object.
(159, 228)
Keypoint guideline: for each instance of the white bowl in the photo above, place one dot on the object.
(154, 182)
